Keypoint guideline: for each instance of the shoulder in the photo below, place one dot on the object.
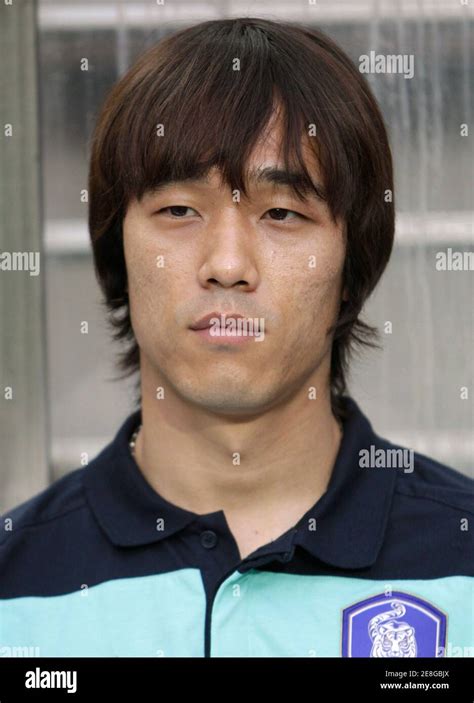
(54, 504)
(47, 539)
(430, 523)
(63, 507)
(438, 486)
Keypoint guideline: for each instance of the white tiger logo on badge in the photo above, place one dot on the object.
(393, 625)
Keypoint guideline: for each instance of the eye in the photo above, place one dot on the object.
(176, 211)
(281, 213)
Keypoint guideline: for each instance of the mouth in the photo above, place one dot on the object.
(228, 328)
(222, 339)
(214, 318)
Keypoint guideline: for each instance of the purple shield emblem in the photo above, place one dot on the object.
(393, 625)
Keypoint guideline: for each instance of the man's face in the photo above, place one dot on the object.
(192, 248)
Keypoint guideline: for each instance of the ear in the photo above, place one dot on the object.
(345, 294)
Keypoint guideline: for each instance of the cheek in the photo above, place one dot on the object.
(311, 309)
(153, 262)
(148, 265)
(149, 286)
(314, 280)
(158, 280)
(325, 285)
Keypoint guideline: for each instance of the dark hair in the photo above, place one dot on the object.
(213, 116)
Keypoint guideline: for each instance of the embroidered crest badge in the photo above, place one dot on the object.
(393, 625)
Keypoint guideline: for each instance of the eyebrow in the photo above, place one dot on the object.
(291, 179)
(268, 175)
(190, 180)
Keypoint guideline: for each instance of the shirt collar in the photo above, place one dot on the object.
(126, 506)
(345, 528)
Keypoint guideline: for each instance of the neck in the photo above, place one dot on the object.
(271, 464)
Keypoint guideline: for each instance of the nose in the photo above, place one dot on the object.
(230, 254)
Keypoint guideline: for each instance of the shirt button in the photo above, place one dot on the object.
(208, 539)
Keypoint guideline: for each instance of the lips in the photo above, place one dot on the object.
(205, 321)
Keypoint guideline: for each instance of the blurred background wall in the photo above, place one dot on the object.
(66, 401)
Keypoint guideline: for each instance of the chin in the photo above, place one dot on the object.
(233, 401)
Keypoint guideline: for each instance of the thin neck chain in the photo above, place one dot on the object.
(133, 440)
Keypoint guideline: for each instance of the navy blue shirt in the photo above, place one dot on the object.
(99, 564)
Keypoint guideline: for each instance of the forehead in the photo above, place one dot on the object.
(268, 150)
(264, 168)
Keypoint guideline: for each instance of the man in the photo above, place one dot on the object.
(241, 212)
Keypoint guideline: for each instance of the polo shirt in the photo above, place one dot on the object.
(99, 564)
